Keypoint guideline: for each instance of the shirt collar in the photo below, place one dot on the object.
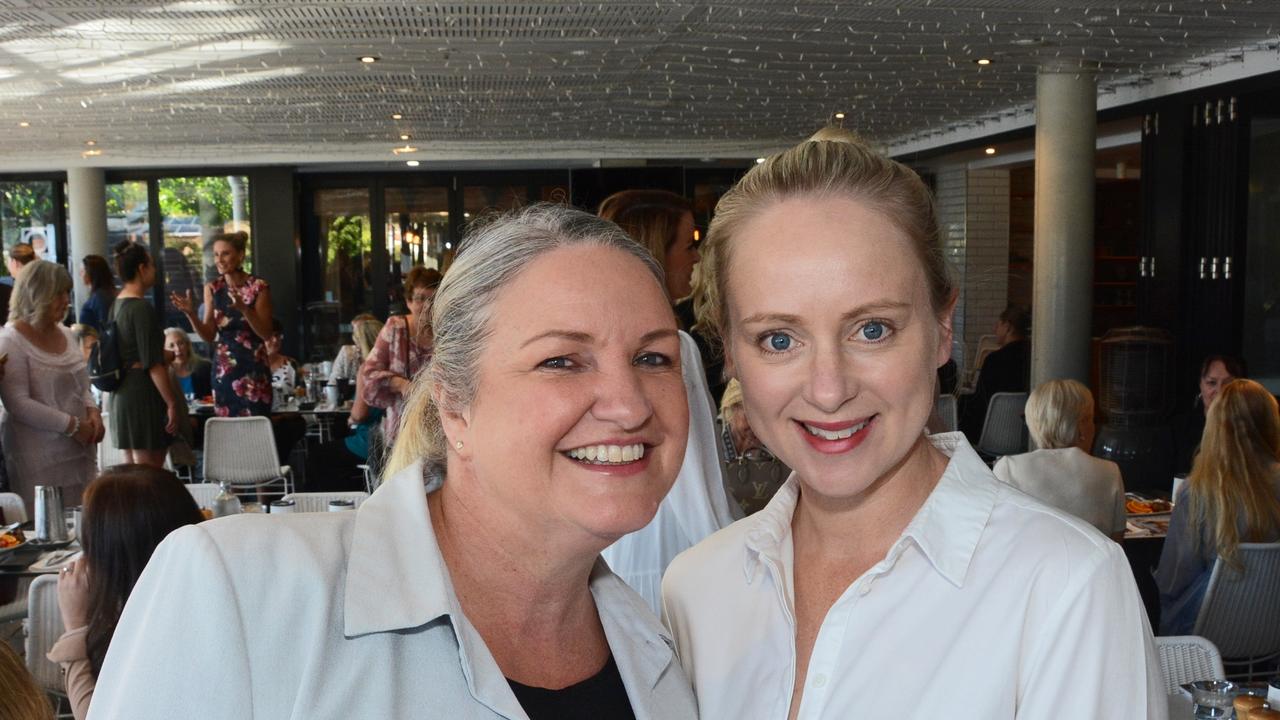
(397, 579)
(946, 528)
(396, 576)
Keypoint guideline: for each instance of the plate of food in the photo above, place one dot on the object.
(1135, 504)
(11, 541)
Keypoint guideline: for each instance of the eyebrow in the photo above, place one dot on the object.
(582, 337)
(786, 319)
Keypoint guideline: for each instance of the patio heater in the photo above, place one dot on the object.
(1135, 397)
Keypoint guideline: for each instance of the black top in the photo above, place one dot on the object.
(1005, 370)
(600, 697)
(712, 358)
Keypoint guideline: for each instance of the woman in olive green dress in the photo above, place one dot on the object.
(144, 414)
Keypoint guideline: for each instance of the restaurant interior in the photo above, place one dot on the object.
(1110, 170)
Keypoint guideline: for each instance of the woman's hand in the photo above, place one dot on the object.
(73, 595)
(401, 384)
(171, 413)
(233, 292)
(99, 428)
(185, 303)
(86, 432)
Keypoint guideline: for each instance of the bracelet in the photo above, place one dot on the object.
(75, 428)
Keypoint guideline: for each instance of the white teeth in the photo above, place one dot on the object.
(608, 454)
(834, 434)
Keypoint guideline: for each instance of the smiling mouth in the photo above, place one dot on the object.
(840, 434)
(607, 454)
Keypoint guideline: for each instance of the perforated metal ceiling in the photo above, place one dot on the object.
(227, 81)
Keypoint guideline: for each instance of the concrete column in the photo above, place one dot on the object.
(1062, 306)
(87, 205)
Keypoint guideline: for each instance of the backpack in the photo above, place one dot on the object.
(106, 370)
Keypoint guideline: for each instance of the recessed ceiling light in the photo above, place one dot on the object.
(759, 161)
(368, 59)
(983, 61)
(90, 143)
(405, 149)
(412, 163)
(990, 151)
(24, 123)
(404, 137)
(91, 153)
(396, 116)
(839, 116)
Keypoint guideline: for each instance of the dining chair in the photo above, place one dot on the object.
(1003, 429)
(319, 501)
(44, 627)
(947, 411)
(1186, 658)
(242, 451)
(203, 493)
(1240, 613)
(12, 507)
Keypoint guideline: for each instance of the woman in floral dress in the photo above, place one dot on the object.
(237, 312)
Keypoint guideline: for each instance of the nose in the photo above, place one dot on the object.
(622, 399)
(831, 381)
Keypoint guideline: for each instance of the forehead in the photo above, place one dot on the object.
(599, 290)
(1217, 370)
(823, 250)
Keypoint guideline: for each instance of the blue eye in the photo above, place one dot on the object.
(778, 342)
(556, 363)
(654, 359)
(873, 331)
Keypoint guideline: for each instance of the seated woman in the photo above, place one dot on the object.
(286, 376)
(1188, 426)
(334, 466)
(554, 412)
(128, 510)
(1062, 473)
(1232, 496)
(192, 371)
(346, 365)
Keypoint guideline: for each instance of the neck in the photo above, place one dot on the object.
(133, 288)
(509, 572)
(43, 325)
(870, 522)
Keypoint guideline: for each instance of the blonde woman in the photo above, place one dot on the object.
(1062, 473)
(479, 596)
(892, 575)
(364, 333)
(50, 422)
(193, 373)
(1232, 496)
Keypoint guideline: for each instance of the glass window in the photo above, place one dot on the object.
(127, 213)
(345, 264)
(27, 216)
(477, 200)
(417, 233)
(193, 210)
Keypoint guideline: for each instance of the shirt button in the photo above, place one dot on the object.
(820, 681)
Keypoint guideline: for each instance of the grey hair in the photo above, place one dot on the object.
(34, 289)
(1054, 411)
(496, 250)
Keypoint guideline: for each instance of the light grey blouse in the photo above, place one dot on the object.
(338, 615)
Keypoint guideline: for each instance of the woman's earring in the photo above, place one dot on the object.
(458, 445)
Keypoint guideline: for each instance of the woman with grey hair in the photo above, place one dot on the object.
(1062, 473)
(50, 422)
(550, 421)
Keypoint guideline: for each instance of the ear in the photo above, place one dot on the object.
(456, 424)
(945, 331)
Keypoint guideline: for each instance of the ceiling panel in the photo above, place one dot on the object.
(217, 81)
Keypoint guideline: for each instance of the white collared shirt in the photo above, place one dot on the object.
(990, 606)
(337, 615)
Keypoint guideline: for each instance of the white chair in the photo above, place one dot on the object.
(1186, 658)
(1240, 613)
(44, 627)
(242, 451)
(319, 502)
(203, 493)
(1003, 431)
(947, 411)
(13, 508)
